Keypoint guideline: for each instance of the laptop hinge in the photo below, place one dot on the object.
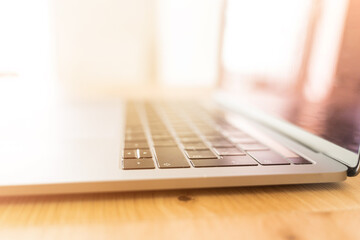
(351, 172)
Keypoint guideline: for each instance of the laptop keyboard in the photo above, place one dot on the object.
(168, 136)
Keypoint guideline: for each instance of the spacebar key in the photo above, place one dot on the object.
(170, 157)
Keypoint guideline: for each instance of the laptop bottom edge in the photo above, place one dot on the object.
(171, 184)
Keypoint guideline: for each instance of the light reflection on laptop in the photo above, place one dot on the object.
(297, 60)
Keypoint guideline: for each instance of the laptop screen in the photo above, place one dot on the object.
(298, 60)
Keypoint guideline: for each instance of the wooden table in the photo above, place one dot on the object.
(318, 211)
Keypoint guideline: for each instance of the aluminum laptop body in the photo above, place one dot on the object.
(53, 143)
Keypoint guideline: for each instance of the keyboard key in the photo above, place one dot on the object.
(137, 128)
(135, 136)
(161, 137)
(208, 130)
(224, 125)
(133, 121)
(182, 130)
(225, 162)
(242, 140)
(146, 163)
(190, 139)
(156, 132)
(157, 125)
(135, 145)
(221, 143)
(181, 126)
(153, 120)
(171, 157)
(203, 127)
(144, 153)
(129, 154)
(229, 151)
(200, 154)
(160, 143)
(186, 134)
(178, 124)
(215, 138)
(135, 139)
(237, 134)
(212, 135)
(195, 146)
(268, 158)
(298, 160)
(230, 129)
(252, 146)
(134, 133)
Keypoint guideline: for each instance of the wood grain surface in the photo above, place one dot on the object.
(317, 211)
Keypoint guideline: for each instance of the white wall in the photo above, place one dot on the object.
(112, 42)
(188, 34)
(24, 38)
(104, 42)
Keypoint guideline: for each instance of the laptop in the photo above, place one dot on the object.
(285, 111)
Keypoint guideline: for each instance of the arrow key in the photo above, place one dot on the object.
(146, 163)
(144, 153)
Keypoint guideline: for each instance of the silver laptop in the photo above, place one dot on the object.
(278, 117)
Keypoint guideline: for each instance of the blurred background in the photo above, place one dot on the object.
(99, 44)
(96, 43)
